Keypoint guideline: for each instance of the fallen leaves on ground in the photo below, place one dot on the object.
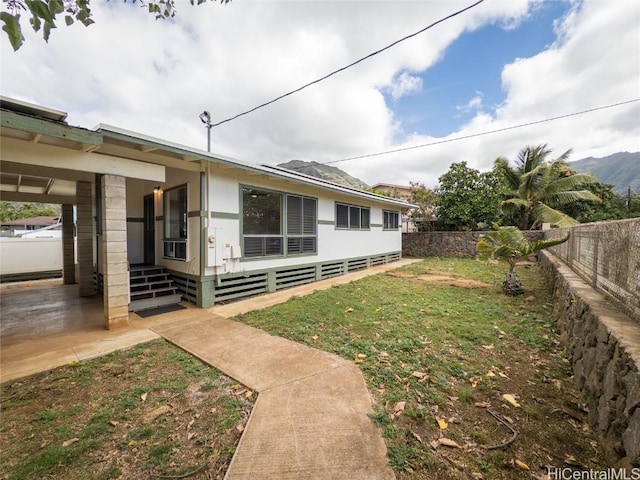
(442, 423)
(447, 442)
(154, 414)
(509, 397)
(71, 441)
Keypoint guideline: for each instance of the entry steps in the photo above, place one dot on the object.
(150, 286)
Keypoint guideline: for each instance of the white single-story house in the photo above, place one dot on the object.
(217, 228)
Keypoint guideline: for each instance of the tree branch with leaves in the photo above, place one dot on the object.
(43, 14)
(540, 188)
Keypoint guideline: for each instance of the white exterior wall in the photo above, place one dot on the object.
(176, 178)
(333, 244)
(26, 255)
(223, 223)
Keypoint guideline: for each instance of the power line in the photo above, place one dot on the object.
(350, 65)
(464, 137)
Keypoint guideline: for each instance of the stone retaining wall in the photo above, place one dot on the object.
(447, 244)
(603, 346)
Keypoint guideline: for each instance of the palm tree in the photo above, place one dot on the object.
(539, 187)
(509, 243)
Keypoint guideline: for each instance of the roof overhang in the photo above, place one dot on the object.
(38, 137)
(161, 148)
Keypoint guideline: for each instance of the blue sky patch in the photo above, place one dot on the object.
(468, 77)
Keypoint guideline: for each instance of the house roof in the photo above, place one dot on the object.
(32, 221)
(190, 154)
(37, 124)
(32, 109)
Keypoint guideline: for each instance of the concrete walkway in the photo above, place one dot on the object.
(310, 420)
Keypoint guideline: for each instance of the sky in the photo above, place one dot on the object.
(500, 64)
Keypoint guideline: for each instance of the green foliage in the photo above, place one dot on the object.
(509, 243)
(44, 14)
(468, 199)
(426, 200)
(17, 210)
(540, 188)
(613, 206)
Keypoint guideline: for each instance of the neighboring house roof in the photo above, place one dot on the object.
(391, 185)
(32, 221)
(402, 190)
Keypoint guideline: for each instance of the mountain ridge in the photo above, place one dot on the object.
(324, 172)
(621, 169)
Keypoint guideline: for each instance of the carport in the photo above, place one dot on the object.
(46, 160)
(46, 324)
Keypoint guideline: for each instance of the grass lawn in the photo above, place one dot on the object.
(152, 411)
(439, 346)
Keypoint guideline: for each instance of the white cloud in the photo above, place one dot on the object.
(474, 104)
(405, 84)
(155, 77)
(595, 62)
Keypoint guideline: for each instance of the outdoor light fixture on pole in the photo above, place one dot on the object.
(205, 117)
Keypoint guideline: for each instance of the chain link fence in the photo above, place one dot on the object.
(607, 256)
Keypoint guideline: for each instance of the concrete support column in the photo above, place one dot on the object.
(84, 202)
(114, 251)
(68, 246)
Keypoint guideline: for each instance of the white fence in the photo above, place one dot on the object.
(607, 255)
(30, 255)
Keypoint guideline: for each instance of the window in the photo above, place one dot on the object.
(273, 222)
(391, 220)
(261, 223)
(175, 222)
(352, 217)
(301, 224)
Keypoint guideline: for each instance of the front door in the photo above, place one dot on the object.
(149, 230)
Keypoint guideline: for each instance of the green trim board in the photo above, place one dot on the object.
(225, 215)
(197, 213)
(326, 222)
(376, 225)
(301, 265)
(231, 286)
(135, 220)
(159, 218)
(204, 291)
(281, 256)
(50, 128)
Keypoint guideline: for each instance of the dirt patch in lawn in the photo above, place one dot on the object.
(149, 412)
(446, 279)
